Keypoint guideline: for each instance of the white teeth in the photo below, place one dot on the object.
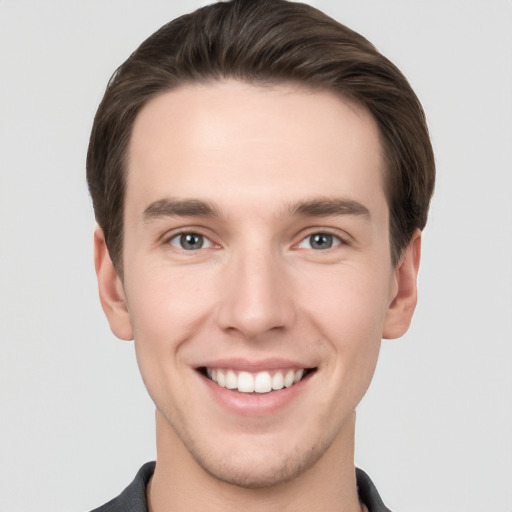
(298, 376)
(245, 382)
(231, 380)
(278, 381)
(261, 382)
(221, 379)
(289, 378)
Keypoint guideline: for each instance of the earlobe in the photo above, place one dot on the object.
(111, 291)
(403, 303)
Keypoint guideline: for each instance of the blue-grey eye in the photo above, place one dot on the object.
(190, 241)
(320, 241)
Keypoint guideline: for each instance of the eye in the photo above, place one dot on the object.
(320, 242)
(190, 241)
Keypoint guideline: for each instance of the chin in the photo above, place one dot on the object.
(259, 468)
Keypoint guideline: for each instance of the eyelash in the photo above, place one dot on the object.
(335, 240)
(178, 240)
(181, 237)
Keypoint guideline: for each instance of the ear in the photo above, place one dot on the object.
(110, 286)
(403, 301)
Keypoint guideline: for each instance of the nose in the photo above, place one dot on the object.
(257, 297)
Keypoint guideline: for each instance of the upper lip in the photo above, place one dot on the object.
(254, 365)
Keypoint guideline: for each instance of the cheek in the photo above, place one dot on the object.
(163, 297)
(349, 310)
(351, 301)
(167, 308)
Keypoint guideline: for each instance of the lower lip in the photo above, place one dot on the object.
(255, 404)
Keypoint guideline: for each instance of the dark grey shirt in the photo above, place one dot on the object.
(133, 498)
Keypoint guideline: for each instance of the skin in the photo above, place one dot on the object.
(257, 289)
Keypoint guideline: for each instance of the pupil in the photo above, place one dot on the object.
(191, 241)
(321, 241)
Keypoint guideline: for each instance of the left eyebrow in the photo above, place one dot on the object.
(327, 207)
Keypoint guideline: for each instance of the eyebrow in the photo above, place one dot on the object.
(318, 207)
(324, 207)
(180, 208)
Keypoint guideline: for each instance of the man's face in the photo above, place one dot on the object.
(256, 253)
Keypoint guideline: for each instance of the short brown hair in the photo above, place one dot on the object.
(270, 41)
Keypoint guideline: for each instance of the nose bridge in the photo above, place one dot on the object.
(256, 298)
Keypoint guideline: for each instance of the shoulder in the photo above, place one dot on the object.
(368, 493)
(133, 498)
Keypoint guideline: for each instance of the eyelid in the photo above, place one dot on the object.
(337, 241)
(343, 238)
(170, 235)
(207, 243)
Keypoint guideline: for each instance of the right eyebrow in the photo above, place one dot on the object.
(170, 207)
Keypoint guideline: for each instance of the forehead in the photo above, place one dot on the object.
(214, 140)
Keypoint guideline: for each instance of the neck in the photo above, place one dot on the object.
(180, 484)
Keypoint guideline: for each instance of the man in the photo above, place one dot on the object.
(260, 175)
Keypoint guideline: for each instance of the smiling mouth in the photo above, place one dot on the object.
(258, 382)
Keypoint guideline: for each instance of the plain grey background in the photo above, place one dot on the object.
(435, 429)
